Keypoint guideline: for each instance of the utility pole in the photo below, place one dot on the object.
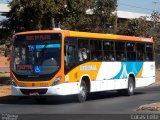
(116, 19)
(155, 5)
(155, 10)
(53, 23)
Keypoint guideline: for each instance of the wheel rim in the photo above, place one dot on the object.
(82, 94)
(131, 87)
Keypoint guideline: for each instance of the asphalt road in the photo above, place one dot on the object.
(104, 103)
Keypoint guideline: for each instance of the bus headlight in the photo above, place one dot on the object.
(13, 82)
(57, 80)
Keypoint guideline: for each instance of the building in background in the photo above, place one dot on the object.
(4, 8)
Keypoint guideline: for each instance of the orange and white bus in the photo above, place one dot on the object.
(63, 62)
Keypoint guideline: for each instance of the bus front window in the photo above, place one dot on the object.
(36, 55)
(36, 59)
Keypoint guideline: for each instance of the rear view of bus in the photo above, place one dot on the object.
(36, 63)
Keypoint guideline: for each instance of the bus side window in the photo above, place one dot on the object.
(96, 50)
(108, 47)
(140, 51)
(70, 53)
(120, 51)
(131, 51)
(83, 50)
(149, 52)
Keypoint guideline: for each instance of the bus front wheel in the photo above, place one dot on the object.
(82, 95)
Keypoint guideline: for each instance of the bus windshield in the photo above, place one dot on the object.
(36, 57)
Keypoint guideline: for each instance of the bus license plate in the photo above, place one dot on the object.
(34, 94)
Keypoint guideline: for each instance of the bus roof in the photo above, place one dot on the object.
(91, 35)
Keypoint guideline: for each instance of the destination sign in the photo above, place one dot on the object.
(38, 37)
(30, 38)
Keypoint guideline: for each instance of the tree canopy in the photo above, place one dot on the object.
(33, 14)
(136, 27)
(28, 15)
(70, 14)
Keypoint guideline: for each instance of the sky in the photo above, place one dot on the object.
(140, 6)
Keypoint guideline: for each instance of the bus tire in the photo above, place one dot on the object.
(130, 90)
(82, 95)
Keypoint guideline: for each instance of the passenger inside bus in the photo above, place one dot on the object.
(83, 54)
(122, 57)
(111, 58)
(94, 57)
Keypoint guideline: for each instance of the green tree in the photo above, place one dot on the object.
(103, 15)
(100, 18)
(136, 27)
(76, 17)
(71, 14)
(33, 14)
(155, 17)
(28, 15)
(5, 33)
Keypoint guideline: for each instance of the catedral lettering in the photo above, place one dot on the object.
(87, 67)
(79, 63)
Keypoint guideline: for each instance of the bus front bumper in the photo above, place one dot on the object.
(62, 89)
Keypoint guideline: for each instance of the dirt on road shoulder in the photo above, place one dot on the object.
(5, 90)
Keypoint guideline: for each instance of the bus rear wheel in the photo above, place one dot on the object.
(131, 86)
(130, 89)
(82, 95)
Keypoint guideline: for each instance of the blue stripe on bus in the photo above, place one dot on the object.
(128, 67)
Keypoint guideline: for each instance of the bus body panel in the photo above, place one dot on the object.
(103, 76)
(114, 75)
(61, 89)
(148, 75)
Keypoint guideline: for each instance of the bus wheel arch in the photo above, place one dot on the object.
(86, 79)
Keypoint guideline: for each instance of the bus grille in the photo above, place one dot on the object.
(28, 91)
